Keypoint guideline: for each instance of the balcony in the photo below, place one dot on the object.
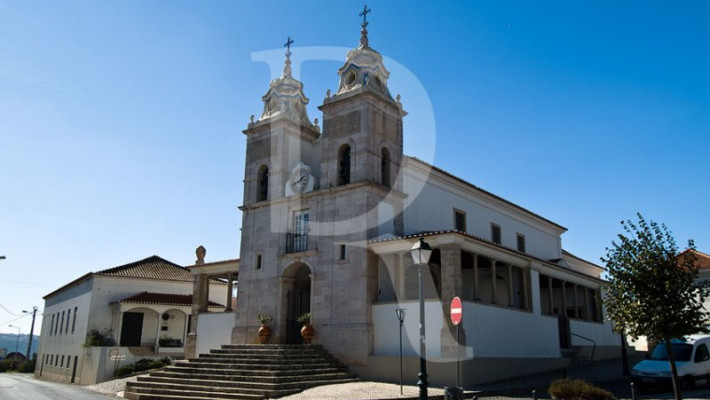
(297, 243)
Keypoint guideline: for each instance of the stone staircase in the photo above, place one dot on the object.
(242, 372)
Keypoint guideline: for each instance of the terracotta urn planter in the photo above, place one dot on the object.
(264, 334)
(307, 332)
(264, 329)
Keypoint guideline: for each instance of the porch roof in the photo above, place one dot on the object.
(169, 299)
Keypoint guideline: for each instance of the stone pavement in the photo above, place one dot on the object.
(606, 374)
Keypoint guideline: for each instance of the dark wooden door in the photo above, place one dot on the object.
(131, 329)
(299, 302)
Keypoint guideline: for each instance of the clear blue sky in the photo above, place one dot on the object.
(120, 121)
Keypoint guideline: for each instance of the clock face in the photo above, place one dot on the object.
(299, 180)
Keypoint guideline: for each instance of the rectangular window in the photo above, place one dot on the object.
(495, 233)
(73, 324)
(300, 231)
(56, 324)
(521, 243)
(342, 254)
(68, 318)
(61, 327)
(51, 326)
(459, 220)
(257, 262)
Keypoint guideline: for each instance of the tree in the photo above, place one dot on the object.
(651, 290)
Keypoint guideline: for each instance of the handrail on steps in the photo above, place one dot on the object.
(594, 344)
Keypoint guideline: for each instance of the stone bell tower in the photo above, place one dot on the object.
(280, 162)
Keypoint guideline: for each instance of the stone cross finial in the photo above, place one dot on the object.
(363, 33)
(287, 64)
(363, 14)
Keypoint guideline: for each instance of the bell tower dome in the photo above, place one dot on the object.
(281, 140)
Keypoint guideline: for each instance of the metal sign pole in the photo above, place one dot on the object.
(458, 362)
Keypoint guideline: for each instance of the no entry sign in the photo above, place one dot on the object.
(456, 311)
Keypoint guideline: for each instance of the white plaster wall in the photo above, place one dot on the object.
(214, 330)
(386, 328)
(500, 332)
(69, 343)
(433, 209)
(601, 333)
(491, 332)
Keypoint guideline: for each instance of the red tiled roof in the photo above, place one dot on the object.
(153, 267)
(477, 238)
(164, 299)
(702, 260)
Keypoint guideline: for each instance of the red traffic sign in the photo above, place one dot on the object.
(456, 311)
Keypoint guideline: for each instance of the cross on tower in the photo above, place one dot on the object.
(287, 45)
(363, 14)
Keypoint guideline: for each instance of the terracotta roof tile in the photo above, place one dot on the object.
(164, 299)
(702, 260)
(153, 267)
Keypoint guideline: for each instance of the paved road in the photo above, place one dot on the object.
(26, 387)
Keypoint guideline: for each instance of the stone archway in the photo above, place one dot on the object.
(297, 291)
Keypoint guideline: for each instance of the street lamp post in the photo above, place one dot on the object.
(400, 316)
(421, 251)
(32, 330)
(17, 342)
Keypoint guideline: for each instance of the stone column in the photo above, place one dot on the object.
(476, 288)
(564, 298)
(494, 284)
(230, 287)
(551, 295)
(450, 287)
(526, 288)
(510, 285)
(156, 346)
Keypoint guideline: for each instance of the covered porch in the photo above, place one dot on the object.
(155, 323)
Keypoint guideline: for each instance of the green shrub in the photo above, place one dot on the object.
(141, 365)
(6, 365)
(577, 390)
(96, 338)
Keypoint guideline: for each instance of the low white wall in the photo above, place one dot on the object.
(386, 328)
(600, 333)
(491, 332)
(214, 330)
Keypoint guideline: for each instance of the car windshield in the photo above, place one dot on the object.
(681, 352)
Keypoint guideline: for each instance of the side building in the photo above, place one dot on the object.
(114, 317)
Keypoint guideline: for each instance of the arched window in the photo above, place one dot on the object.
(385, 167)
(344, 165)
(262, 179)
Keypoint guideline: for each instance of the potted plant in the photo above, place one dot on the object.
(264, 329)
(307, 331)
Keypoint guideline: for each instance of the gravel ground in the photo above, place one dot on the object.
(354, 391)
(360, 391)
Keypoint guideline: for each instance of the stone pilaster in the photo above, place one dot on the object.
(450, 287)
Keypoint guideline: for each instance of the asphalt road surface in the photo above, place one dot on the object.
(26, 387)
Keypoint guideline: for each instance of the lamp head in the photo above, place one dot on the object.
(421, 251)
(400, 314)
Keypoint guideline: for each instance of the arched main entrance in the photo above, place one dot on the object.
(298, 300)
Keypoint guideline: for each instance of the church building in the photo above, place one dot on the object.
(330, 214)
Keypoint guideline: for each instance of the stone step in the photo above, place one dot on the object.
(150, 393)
(251, 367)
(242, 372)
(241, 377)
(262, 386)
(252, 373)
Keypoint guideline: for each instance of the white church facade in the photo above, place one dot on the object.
(329, 216)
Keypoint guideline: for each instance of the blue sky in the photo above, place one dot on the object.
(120, 122)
